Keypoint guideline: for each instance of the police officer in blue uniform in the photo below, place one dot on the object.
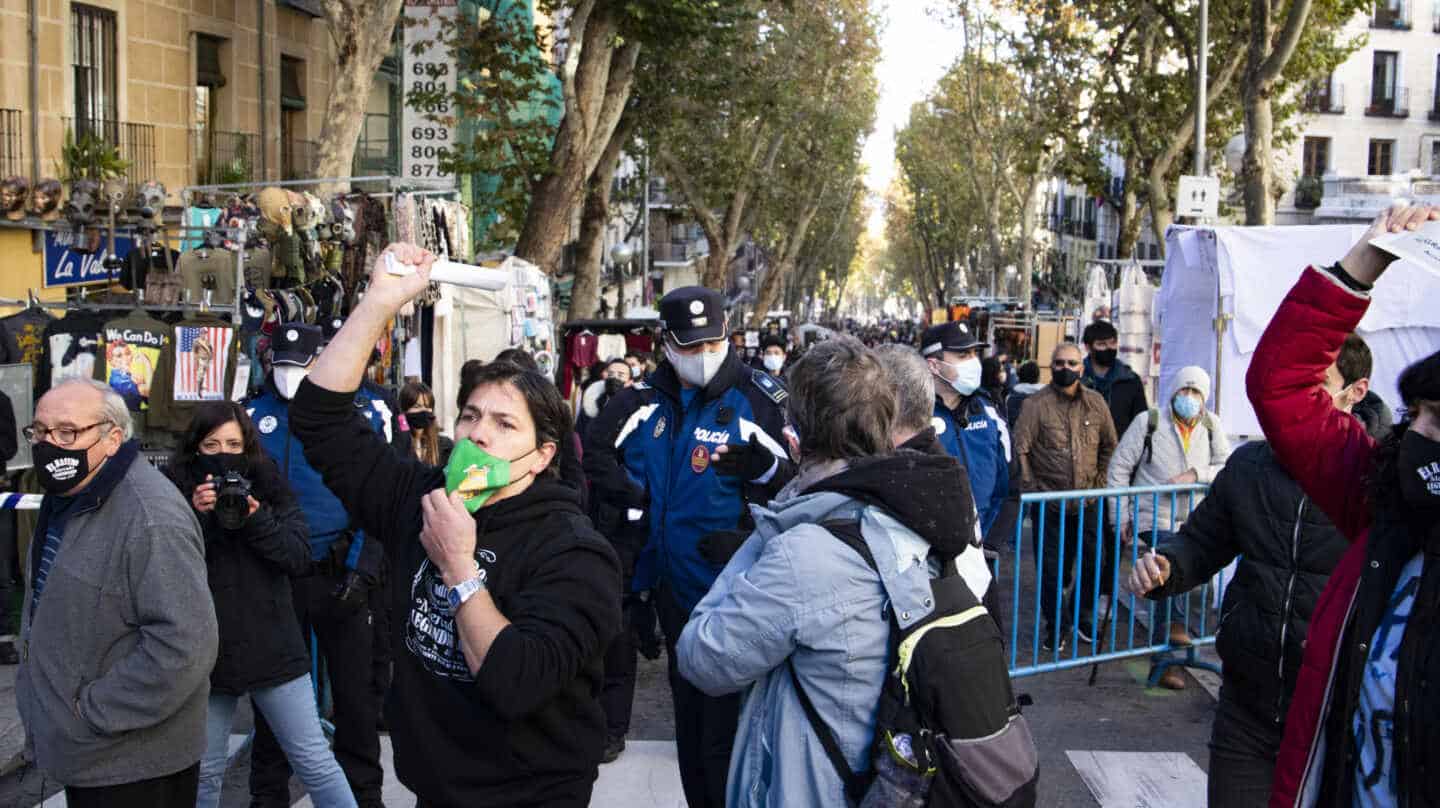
(967, 423)
(704, 435)
(334, 600)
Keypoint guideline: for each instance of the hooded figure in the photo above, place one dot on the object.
(1186, 443)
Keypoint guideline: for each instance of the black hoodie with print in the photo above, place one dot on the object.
(528, 729)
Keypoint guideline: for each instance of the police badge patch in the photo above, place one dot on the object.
(659, 427)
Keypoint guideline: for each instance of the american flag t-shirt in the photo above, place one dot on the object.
(201, 353)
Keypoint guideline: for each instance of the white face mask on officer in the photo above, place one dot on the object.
(967, 375)
(287, 379)
(696, 369)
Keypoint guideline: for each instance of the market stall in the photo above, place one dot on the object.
(1222, 285)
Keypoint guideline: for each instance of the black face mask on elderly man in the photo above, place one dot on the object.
(59, 468)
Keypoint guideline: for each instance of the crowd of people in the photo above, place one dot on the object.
(802, 533)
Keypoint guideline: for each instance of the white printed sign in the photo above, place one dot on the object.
(1420, 246)
(1198, 197)
(423, 141)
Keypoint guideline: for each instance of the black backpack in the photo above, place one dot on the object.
(948, 730)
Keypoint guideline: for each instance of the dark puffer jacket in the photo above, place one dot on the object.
(249, 570)
(1287, 549)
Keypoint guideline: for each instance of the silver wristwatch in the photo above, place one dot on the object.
(463, 591)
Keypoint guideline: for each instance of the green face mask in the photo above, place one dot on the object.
(477, 474)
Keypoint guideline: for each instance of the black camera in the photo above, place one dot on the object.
(232, 500)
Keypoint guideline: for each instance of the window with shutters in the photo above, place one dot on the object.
(1316, 159)
(92, 62)
(1381, 157)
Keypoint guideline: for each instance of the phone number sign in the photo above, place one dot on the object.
(424, 141)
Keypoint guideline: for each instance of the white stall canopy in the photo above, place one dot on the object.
(1245, 272)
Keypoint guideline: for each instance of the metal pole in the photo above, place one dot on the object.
(645, 286)
(1202, 80)
(264, 107)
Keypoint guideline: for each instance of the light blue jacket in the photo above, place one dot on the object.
(795, 590)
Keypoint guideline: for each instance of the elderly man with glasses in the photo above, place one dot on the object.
(118, 635)
(1064, 441)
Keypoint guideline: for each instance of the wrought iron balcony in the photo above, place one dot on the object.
(223, 157)
(134, 142)
(1325, 98)
(1389, 102)
(1390, 15)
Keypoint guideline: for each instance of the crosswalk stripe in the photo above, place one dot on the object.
(1141, 779)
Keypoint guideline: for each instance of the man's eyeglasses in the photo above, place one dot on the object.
(60, 435)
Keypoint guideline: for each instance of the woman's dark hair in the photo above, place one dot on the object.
(427, 439)
(990, 373)
(208, 417)
(515, 356)
(547, 408)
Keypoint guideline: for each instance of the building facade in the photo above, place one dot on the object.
(1372, 128)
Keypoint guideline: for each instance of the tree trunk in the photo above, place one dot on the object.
(717, 266)
(590, 254)
(1130, 221)
(1029, 214)
(1162, 215)
(596, 88)
(1265, 59)
(769, 291)
(1259, 169)
(594, 219)
(361, 30)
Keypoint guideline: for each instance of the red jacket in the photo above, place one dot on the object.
(1328, 452)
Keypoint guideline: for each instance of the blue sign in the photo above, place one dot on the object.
(65, 267)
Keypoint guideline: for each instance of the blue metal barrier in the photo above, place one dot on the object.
(1076, 547)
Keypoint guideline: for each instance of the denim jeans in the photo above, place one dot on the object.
(290, 709)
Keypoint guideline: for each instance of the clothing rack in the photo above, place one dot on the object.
(78, 305)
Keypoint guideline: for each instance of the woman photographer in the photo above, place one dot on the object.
(505, 597)
(255, 540)
(426, 442)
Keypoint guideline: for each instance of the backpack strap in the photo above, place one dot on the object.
(855, 785)
(1147, 453)
(847, 531)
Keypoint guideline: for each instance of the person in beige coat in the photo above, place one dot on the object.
(1182, 443)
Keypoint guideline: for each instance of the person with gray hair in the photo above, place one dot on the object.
(799, 607)
(914, 388)
(114, 680)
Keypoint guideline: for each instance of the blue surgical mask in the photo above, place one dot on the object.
(1186, 407)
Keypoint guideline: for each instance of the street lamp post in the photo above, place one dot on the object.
(1201, 80)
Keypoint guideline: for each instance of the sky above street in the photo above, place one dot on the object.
(915, 50)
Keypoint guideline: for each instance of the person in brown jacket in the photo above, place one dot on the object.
(1064, 441)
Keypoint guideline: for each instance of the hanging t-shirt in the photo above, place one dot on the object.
(132, 356)
(22, 339)
(198, 364)
(212, 270)
(72, 347)
(1374, 724)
